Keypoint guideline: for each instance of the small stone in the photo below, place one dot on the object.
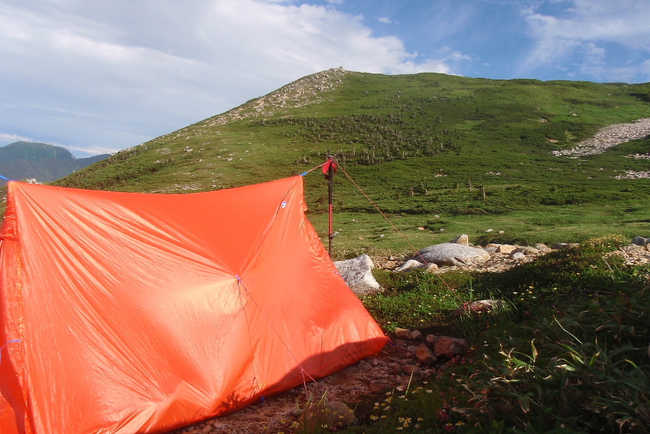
(410, 265)
(296, 412)
(432, 267)
(400, 343)
(506, 248)
(378, 387)
(640, 241)
(479, 306)
(517, 256)
(425, 355)
(411, 370)
(527, 250)
(431, 339)
(562, 246)
(448, 347)
(416, 334)
(335, 414)
(463, 240)
(403, 333)
(542, 247)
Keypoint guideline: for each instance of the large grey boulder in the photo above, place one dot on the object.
(357, 273)
(452, 254)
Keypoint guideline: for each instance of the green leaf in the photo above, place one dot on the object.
(524, 403)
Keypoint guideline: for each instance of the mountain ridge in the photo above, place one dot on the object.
(40, 161)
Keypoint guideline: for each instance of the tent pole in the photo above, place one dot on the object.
(330, 178)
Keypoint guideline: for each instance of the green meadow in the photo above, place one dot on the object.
(434, 156)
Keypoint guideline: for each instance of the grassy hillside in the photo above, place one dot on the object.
(476, 152)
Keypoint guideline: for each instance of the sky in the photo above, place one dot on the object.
(103, 75)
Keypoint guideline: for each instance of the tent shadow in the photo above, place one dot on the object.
(310, 369)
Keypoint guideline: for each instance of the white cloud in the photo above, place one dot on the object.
(111, 74)
(10, 138)
(384, 20)
(585, 32)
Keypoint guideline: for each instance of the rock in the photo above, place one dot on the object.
(416, 334)
(447, 347)
(411, 370)
(607, 137)
(490, 249)
(479, 306)
(431, 339)
(403, 333)
(562, 246)
(463, 240)
(432, 267)
(640, 241)
(411, 264)
(517, 256)
(452, 254)
(358, 275)
(334, 414)
(425, 355)
(401, 343)
(378, 387)
(506, 248)
(542, 247)
(528, 251)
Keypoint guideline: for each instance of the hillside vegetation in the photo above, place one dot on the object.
(419, 145)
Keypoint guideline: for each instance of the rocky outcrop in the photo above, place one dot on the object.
(307, 90)
(452, 254)
(499, 260)
(357, 273)
(607, 137)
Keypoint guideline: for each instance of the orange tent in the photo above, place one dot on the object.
(140, 313)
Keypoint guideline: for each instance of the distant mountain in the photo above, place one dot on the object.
(45, 163)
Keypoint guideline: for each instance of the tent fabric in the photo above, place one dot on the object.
(140, 313)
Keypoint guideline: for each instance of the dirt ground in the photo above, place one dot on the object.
(280, 413)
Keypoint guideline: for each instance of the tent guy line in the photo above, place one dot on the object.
(3, 347)
(268, 321)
